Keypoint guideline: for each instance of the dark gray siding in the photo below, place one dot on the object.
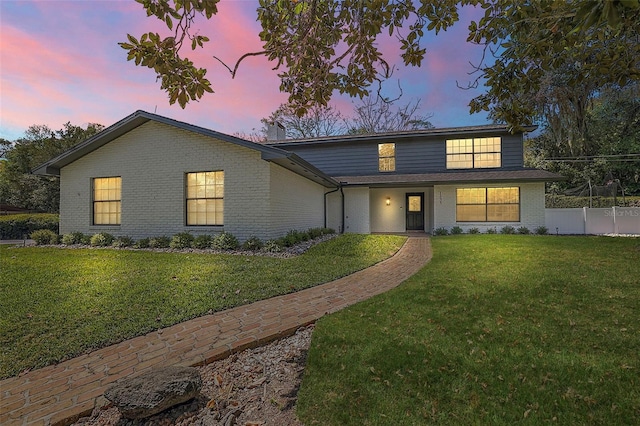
(512, 151)
(413, 155)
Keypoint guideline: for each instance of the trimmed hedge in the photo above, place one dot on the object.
(16, 226)
(567, 202)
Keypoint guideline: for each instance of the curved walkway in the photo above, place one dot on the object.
(60, 394)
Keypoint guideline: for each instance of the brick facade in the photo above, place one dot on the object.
(261, 199)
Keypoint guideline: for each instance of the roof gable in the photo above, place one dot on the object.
(279, 156)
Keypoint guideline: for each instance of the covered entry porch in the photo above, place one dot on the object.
(388, 209)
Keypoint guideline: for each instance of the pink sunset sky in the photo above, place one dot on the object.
(60, 62)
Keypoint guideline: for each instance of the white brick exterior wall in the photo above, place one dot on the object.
(393, 218)
(531, 207)
(296, 202)
(357, 218)
(152, 161)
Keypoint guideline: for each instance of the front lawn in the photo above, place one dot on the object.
(57, 303)
(495, 330)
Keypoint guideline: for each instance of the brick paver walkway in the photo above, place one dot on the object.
(60, 394)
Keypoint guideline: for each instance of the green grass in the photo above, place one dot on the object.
(57, 303)
(495, 330)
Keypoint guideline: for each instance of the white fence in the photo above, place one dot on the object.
(614, 220)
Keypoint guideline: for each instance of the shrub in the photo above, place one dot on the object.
(123, 241)
(102, 239)
(441, 231)
(202, 242)
(159, 242)
(143, 243)
(456, 230)
(541, 230)
(524, 230)
(474, 231)
(492, 231)
(17, 226)
(315, 233)
(182, 240)
(225, 241)
(271, 246)
(44, 236)
(253, 244)
(508, 229)
(73, 238)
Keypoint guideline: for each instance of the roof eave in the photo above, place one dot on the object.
(448, 131)
(296, 164)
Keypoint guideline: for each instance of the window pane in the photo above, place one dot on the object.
(503, 213)
(471, 213)
(387, 164)
(415, 204)
(386, 150)
(459, 161)
(487, 160)
(503, 195)
(471, 196)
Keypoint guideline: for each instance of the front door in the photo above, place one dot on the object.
(415, 211)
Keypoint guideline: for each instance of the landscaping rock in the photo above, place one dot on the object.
(150, 393)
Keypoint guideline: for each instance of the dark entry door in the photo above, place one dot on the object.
(415, 211)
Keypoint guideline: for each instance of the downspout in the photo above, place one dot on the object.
(342, 193)
(325, 203)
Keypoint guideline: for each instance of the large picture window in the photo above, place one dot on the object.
(477, 153)
(488, 204)
(107, 194)
(387, 157)
(205, 198)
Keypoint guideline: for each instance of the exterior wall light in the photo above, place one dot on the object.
(388, 201)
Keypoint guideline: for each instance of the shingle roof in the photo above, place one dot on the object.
(279, 156)
(476, 176)
(443, 131)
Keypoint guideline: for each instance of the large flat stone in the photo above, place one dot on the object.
(150, 393)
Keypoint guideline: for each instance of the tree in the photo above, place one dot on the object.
(18, 187)
(320, 47)
(612, 131)
(579, 46)
(373, 114)
(377, 115)
(5, 146)
(317, 121)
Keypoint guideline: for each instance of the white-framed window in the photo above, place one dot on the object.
(107, 200)
(474, 153)
(488, 204)
(205, 198)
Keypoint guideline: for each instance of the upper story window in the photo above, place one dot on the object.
(107, 200)
(476, 153)
(387, 157)
(205, 198)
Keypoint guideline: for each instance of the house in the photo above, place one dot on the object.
(149, 175)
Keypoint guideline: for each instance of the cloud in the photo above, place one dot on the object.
(60, 61)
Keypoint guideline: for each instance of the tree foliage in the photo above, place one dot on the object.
(18, 187)
(321, 47)
(611, 125)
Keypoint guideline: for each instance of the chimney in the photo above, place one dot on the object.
(276, 132)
